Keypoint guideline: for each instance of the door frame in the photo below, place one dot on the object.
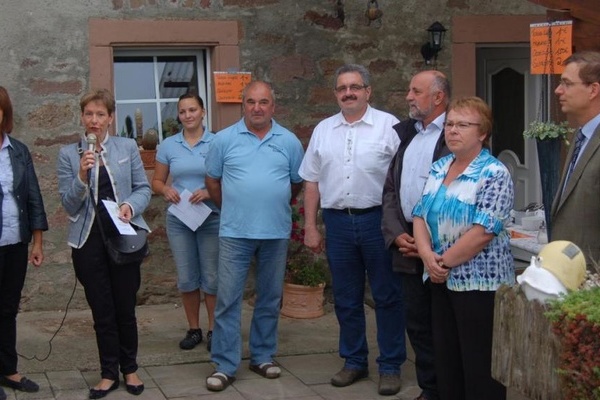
(525, 172)
(471, 31)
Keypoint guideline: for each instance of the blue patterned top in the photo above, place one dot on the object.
(483, 195)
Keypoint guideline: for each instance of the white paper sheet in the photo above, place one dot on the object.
(124, 228)
(193, 215)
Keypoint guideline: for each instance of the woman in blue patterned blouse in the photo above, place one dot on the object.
(459, 226)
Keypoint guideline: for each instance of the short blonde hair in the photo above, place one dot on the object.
(477, 105)
(104, 96)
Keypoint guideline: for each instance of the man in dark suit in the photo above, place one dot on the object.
(422, 142)
(576, 208)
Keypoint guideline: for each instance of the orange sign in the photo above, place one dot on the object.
(551, 44)
(229, 86)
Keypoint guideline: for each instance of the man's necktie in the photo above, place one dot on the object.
(578, 143)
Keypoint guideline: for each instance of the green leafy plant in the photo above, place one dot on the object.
(170, 126)
(548, 130)
(576, 322)
(303, 266)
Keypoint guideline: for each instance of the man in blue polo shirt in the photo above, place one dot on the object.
(252, 174)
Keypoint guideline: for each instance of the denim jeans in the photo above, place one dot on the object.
(235, 256)
(196, 253)
(355, 250)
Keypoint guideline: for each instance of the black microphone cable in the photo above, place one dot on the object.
(62, 322)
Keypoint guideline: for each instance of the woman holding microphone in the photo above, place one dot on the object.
(111, 166)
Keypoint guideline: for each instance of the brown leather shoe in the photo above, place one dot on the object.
(347, 377)
(389, 384)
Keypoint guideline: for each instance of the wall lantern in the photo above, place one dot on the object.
(373, 13)
(430, 49)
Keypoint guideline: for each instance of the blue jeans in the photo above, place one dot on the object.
(235, 256)
(355, 249)
(196, 254)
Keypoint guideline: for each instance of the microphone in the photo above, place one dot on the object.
(91, 141)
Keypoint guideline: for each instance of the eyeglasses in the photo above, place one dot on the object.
(353, 88)
(567, 84)
(460, 125)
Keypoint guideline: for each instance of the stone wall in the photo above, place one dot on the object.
(296, 44)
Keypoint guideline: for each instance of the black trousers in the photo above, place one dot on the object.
(13, 267)
(417, 306)
(110, 291)
(462, 337)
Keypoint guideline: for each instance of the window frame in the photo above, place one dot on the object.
(221, 38)
(203, 73)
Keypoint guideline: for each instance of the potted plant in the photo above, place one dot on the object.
(305, 276)
(306, 268)
(549, 351)
(548, 136)
(549, 130)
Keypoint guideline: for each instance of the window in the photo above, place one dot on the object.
(217, 40)
(148, 84)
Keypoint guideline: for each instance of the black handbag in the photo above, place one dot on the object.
(123, 249)
(127, 249)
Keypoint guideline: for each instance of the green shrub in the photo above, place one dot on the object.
(303, 266)
(576, 322)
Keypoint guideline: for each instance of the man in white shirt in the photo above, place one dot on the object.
(422, 142)
(344, 168)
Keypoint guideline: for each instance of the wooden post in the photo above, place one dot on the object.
(525, 351)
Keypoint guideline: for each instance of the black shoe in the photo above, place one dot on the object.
(209, 341)
(135, 390)
(2, 394)
(192, 338)
(99, 393)
(347, 377)
(24, 385)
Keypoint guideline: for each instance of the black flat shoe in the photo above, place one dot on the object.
(2, 394)
(135, 390)
(99, 393)
(24, 385)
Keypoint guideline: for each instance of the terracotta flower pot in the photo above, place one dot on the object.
(148, 158)
(302, 301)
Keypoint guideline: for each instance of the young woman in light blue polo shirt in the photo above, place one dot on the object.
(195, 252)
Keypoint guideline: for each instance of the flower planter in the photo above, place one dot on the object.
(302, 301)
(525, 350)
(549, 163)
(148, 158)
